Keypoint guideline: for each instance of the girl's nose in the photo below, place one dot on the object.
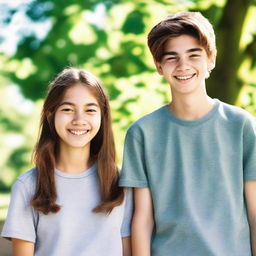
(79, 119)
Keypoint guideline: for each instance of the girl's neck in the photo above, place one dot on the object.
(191, 108)
(73, 161)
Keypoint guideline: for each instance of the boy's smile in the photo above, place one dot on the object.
(187, 77)
(185, 64)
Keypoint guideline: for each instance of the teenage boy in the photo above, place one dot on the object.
(192, 163)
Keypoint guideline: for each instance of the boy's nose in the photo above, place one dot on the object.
(182, 65)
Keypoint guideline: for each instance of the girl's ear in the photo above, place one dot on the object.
(158, 67)
(49, 117)
(50, 120)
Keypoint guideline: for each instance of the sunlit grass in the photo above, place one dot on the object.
(4, 202)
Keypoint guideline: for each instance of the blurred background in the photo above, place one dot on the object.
(38, 38)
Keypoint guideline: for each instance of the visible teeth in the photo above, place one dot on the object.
(184, 77)
(78, 132)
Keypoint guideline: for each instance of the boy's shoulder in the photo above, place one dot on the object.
(231, 113)
(150, 119)
(235, 113)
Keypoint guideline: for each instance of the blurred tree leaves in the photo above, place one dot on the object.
(109, 38)
(73, 39)
(134, 23)
(18, 131)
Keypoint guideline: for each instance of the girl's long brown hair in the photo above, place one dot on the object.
(102, 149)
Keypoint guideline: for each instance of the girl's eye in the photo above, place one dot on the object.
(67, 110)
(91, 110)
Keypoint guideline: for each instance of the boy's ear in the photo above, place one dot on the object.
(158, 67)
(211, 63)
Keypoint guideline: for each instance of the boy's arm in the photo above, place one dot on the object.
(142, 223)
(126, 241)
(22, 247)
(250, 196)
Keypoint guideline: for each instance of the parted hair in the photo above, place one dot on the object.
(182, 23)
(102, 147)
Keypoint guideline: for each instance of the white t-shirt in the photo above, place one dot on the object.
(75, 229)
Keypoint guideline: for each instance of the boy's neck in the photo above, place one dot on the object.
(74, 161)
(190, 107)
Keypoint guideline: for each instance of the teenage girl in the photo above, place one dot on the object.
(70, 203)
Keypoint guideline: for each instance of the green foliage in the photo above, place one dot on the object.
(134, 23)
(115, 50)
(19, 117)
(4, 202)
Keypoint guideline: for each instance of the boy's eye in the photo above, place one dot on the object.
(171, 58)
(194, 56)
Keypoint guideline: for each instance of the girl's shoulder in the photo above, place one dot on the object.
(28, 176)
(26, 181)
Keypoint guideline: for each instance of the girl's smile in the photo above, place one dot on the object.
(78, 132)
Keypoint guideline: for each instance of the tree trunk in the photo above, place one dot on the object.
(224, 83)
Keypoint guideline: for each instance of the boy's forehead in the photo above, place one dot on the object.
(182, 43)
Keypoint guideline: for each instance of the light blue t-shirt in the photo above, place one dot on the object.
(196, 172)
(75, 229)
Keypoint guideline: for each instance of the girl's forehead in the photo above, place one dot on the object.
(79, 93)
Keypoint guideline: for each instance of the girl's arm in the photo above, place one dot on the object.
(142, 223)
(22, 247)
(127, 246)
(250, 195)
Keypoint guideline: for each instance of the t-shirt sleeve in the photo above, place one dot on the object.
(133, 173)
(128, 212)
(20, 221)
(249, 150)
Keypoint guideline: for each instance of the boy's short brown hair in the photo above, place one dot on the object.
(182, 23)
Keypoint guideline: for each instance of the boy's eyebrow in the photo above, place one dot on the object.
(72, 104)
(195, 50)
(170, 53)
(188, 51)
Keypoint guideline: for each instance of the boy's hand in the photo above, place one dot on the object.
(250, 196)
(142, 223)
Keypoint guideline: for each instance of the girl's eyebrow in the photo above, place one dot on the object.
(93, 104)
(66, 103)
(72, 104)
